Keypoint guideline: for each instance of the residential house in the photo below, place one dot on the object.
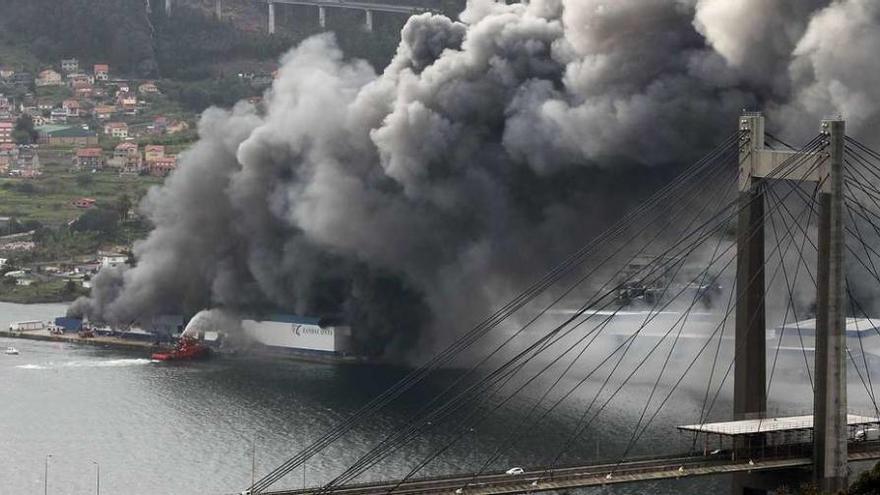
(69, 136)
(118, 130)
(153, 152)
(160, 123)
(49, 77)
(104, 112)
(262, 80)
(102, 72)
(8, 156)
(127, 102)
(6, 129)
(163, 166)
(148, 88)
(71, 106)
(126, 156)
(69, 65)
(89, 159)
(84, 92)
(73, 80)
(113, 260)
(84, 203)
(176, 126)
(44, 104)
(29, 108)
(6, 72)
(58, 115)
(5, 103)
(39, 120)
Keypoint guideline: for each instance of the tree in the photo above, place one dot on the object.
(84, 180)
(123, 205)
(24, 132)
(104, 222)
(868, 482)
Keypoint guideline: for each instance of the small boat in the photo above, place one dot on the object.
(186, 349)
(11, 351)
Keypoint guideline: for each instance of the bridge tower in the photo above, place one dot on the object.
(829, 397)
(829, 400)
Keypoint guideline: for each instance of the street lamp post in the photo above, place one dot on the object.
(473, 435)
(254, 461)
(46, 475)
(97, 477)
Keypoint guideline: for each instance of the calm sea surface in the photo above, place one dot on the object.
(189, 428)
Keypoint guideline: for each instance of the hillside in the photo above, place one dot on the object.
(189, 45)
(114, 31)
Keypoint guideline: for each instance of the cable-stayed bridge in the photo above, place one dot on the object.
(758, 254)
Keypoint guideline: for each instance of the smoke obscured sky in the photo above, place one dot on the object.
(412, 198)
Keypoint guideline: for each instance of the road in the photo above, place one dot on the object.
(538, 480)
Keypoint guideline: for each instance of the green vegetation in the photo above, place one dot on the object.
(189, 44)
(53, 290)
(60, 244)
(112, 31)
(24, 132)
(18, 55)
(198, 95)
(56, 94)
(49, 199)
(868, 483)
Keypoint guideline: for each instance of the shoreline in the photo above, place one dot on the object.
(117, 343)
(27, 301)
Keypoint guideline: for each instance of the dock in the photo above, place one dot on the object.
(72, 338)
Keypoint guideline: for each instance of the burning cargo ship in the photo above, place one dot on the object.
(298, 336)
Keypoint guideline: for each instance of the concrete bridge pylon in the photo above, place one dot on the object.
(757, 164)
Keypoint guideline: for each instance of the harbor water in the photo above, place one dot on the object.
(198, 427)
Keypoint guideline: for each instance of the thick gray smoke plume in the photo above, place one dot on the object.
(417, 198)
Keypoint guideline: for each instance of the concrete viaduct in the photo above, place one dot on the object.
(322, 5)
(367, 7)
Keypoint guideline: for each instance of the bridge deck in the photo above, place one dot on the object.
(772, 425)
(344, 4)
(585, 476)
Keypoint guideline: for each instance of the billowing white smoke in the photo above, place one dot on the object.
(490, 146)
(214, 320)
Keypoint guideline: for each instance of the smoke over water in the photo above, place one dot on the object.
(412, 201)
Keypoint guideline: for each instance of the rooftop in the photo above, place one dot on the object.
(89, 152)
(852, 325)
(770, 425)
(288, 318)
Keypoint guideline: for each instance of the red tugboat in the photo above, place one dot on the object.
(187, 348)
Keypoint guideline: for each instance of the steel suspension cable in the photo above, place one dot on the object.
(493, 321)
